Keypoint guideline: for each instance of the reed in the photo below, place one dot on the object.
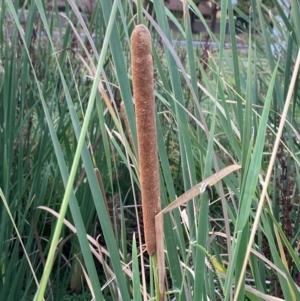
(143, 92)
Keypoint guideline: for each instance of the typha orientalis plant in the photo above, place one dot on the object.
(143, 92)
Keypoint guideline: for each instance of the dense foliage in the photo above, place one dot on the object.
(70, 215)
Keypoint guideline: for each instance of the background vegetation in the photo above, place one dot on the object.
(67, 156)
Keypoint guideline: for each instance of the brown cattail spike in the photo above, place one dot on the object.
(143, 92)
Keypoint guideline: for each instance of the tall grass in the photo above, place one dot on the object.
(228, 144)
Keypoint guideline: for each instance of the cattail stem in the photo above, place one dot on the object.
(143, 92)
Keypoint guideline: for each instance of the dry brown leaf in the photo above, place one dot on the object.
(190, 194)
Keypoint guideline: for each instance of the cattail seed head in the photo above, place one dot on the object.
(143, 92)
(126, 123)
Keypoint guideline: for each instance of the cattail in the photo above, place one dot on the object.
(143, 92)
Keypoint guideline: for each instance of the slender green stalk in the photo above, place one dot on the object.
(156, 284)
(139, 11)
